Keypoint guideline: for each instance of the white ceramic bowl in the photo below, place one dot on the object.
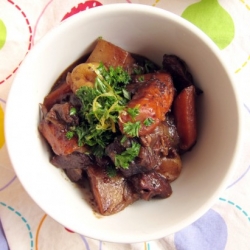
(151, 32)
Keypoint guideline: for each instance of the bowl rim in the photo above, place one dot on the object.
(168, 15)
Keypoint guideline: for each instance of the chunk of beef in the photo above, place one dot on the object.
(178, 69)
(115, 148)
(54, 127)
(55, 134)
(170, 166)
(143, 65)
(72, 161)
(163, 138)
(150, 185)
(61, 113)
(112, 194)
(74, 174)
(103, 161)
(164, 142)
(155, 147)
(144, 162)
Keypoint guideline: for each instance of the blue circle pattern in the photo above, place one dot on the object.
(189, 238)
(236, 206)
(208, 232)
(3, 241)
(24, 220)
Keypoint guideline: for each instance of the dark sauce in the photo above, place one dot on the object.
(62, 78)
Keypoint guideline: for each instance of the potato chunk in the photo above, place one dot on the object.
(111, 55)
(112, 194)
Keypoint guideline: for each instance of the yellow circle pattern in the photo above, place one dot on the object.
(2, 139)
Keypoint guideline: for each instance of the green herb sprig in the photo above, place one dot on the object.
(100, 109)
(124, 159)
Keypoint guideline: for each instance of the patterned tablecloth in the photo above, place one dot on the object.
(23, 225)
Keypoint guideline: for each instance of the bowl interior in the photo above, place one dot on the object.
(150, 32)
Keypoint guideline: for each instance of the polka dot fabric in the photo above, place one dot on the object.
(23, 225)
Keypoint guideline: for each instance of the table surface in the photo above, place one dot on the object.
(23, 225)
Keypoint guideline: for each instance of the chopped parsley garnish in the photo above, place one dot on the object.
(148, 122)
(132, 128)
(98, 115)
(133, 112)
(70, 134)
(111, 171)
(124, 138)
(126, 94)
(100, 109)
(124, 159)
(72, 111)
(138, 70)
(140, 78)
(149, 66)
(113, 77)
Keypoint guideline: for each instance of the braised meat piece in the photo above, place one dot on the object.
(180, 73)
(163, 138)
(74, 161)
(164, 143)
(143, 65)
(112, 194)
(170, 166)
(115, 148)
(103, 161)
(178, 70)
(144, 162)
(150, 185)
(60, 113)
(54, 126)
(74, 174)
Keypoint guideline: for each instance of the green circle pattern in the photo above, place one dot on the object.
(213, 20)
(3, 33)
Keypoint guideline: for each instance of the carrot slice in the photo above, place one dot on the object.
(185, 116)
(55, 96)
